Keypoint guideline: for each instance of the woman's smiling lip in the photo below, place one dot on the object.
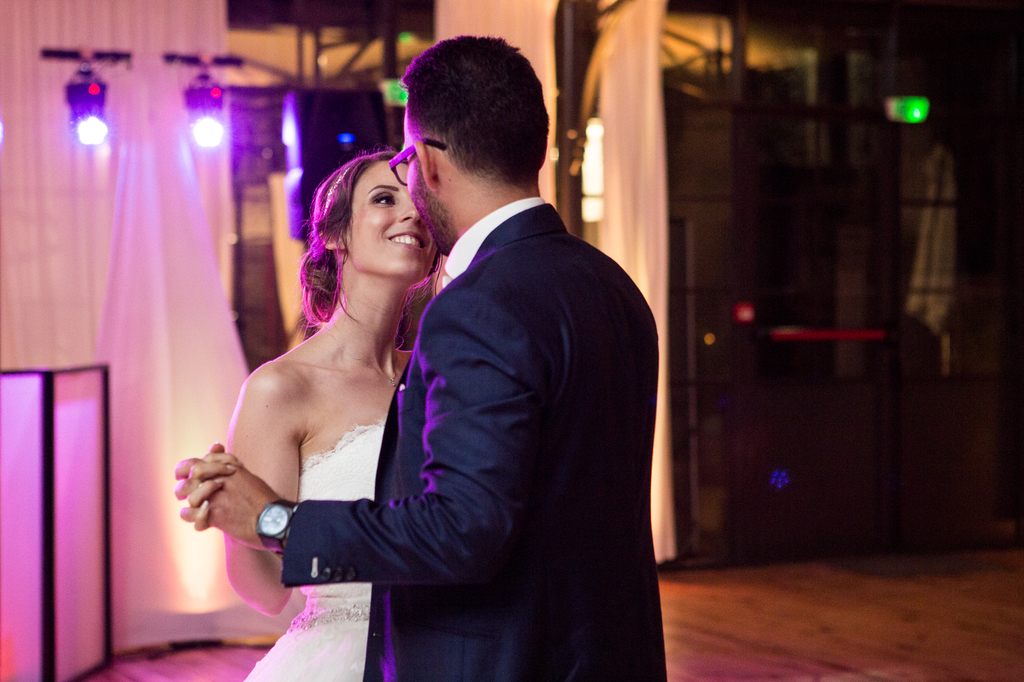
(407, 238)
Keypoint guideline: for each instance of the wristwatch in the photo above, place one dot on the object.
(274, 523)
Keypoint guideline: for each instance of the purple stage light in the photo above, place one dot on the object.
(207, 131)
(204, 100)
(91, 130)
(86, 95)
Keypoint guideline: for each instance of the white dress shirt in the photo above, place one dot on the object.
(469, 243)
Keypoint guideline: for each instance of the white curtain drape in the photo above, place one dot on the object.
(526, 24)
(634, 230)
(56, 196)
(110, 254)
(933, 276)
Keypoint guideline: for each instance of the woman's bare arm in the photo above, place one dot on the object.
(265, 435)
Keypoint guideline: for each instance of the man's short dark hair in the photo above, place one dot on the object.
(481, 97)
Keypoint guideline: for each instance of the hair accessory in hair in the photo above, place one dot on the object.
(332, 193)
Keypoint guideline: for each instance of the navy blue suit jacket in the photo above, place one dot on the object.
(511, 536)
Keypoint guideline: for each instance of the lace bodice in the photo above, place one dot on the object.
(327, 641)
(345, 472)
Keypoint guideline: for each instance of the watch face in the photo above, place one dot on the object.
(274, 520)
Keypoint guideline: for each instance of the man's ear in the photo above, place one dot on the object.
(429, 164)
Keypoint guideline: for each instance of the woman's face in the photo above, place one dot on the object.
(388, 238)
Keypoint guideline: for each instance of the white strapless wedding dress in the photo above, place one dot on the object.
(327, 641)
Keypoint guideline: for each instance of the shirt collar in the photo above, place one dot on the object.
(469, 243)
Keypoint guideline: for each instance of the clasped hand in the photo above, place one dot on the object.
(222, 494)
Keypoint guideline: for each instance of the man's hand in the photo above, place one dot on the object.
(223, 494)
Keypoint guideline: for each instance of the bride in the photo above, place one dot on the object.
(325, 403)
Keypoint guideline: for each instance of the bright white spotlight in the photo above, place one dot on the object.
(207, 131)
(91, 130)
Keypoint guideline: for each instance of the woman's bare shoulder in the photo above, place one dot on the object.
(279, 383)
(270, 416)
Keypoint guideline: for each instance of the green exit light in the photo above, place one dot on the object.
(405, 37)
(395, 94)
(907, 109)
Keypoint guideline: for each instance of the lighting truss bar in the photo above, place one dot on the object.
(87, 56)
(200, 60)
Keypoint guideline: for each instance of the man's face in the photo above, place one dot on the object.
(431, 209)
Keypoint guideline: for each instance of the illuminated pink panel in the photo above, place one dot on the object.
(21, 527)
(78, 536)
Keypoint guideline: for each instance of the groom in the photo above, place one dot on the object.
(511, 536)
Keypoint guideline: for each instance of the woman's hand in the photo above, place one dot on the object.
(236, 509)
(200, 478)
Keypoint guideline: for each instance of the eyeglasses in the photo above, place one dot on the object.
(400, 164)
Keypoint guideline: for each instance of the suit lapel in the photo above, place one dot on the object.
(389, 444)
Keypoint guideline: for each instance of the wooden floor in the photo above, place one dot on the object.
(898, 619)
(914, 619)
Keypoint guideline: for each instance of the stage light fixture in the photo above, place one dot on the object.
(205, 101)
(86, 95)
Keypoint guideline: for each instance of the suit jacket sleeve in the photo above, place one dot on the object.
(485, 380)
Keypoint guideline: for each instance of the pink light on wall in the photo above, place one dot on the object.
(21, 526)
(80, 544)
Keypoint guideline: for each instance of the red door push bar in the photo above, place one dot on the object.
(807, 334)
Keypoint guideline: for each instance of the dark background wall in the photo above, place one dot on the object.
(790, 190)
